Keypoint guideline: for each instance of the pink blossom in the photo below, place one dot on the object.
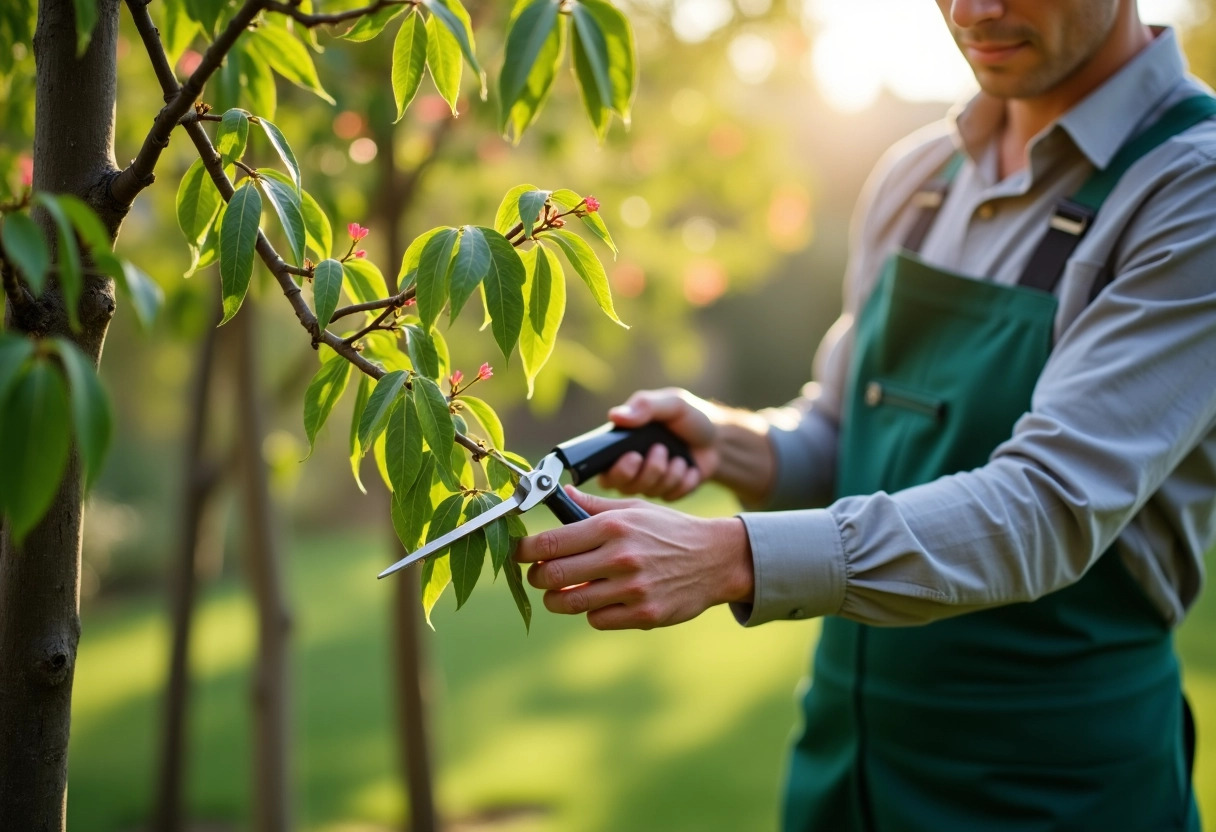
(485, 371)
(356, 231)
(361, 253)
(456, 378)
(411, 301)
(25, 164)
(592, 203)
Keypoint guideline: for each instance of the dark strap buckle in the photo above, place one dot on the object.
(1071, 217)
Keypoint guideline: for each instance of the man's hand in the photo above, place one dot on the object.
(637, 565)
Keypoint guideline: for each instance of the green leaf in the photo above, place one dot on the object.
(595, 104)
(508, 210)
(319, 233)
(537, 86)
(589, 269)
(324, 391)
(375, 414)
(34, 437)
(595, 49)
(413, 255)
(26, 249)
(515, 582)
(566, 199)
(409, 59)
(87, 224)
(382, 348)
(619, 48)
(178, 30)
(368, 26)
(436, 421)
(86, 19)
(526, 38)
(436, 570)
(232, 135)
(412, 508)
(504, 291)
(498, 535)
(469, 268)
(288, 57)
(380, 453)
(198, 202)
(456, 20)
(70, 278)
(443, 60)
(206, 12)
(362, 394)
(92, 420)
(15, 350)
(404, 448)
(545, 306)
(422, 352)
(501, 477)
(516, 525)
(364, 282)
(326, 287)
(238, 237)
(286, 203)
(279, 142)
(258, 83)
(144, 293)
(488, 419)
(433, 268)
(531, 204)
(468, 556)
(460, 462)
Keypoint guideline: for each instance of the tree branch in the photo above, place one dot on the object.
(398, 300)
(311, 20)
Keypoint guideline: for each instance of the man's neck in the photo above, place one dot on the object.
(1026, 117)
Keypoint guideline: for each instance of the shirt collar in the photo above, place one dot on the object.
(1105, 119)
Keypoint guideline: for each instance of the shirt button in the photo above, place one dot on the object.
(798, 613)
(873, 394)
(986, 211)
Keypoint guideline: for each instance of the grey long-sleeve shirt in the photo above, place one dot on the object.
(1119, 446)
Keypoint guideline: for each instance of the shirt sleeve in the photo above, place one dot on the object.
(1125, 397)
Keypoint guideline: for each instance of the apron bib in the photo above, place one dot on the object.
(1060, 715)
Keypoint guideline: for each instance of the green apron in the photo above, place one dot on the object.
(1060, 715)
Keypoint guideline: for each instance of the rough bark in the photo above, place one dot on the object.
(40, 580)
(271, 688)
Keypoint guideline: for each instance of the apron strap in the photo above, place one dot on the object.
(1074, 215)
(928, 200)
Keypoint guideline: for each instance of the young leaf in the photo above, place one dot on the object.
(619, 48)
(324, 391)
(404, 445)
(435, 419)
(286, 203)
(232, 135)
(279, 142)
(443, 60)
(528, 33)
(238, 237)
(531, 204)
(368, 26)
(468, 555)
(288, 57)
(364, 282)
(92, 420)
(433, 269)
(69, 255)
(595, 104)
(198, 202)
(469, 268)
(515, 582)
(566, 199)
(14, 351)
(34, 438)
(375, 414)
(488, 419)
(589, 269)
(326, 287)
(26, 249)
(545, 306)
(422, 352)
(504, 291)
(362, 394)
(409, 59)
(456, 20)
(412, 508)
(508, 210)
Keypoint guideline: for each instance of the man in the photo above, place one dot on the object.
(1015, 438)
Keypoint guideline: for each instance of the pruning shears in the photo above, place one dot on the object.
(583, 456)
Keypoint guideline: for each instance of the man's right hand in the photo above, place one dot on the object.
(657, 474)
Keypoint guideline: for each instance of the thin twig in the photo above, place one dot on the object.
(397, 300)
(311, 20)
(381, 318)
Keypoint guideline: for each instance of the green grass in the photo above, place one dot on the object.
(677, 729)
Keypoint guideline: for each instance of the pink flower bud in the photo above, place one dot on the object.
(356, 231)
(361, 253)
(411, 301)
(485, 371)
(456, 378)
(592, 203)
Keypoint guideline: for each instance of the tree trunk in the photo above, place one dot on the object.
(413, 687)
(271, 685)
(40, 580)
(199, 478)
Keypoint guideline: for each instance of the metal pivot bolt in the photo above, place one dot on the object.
(544, 481)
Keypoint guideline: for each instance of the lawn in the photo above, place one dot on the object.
(677, 729)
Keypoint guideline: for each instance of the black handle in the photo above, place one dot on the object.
(598, 450)
(563, 508)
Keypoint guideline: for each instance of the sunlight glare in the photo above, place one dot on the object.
(695, 20)
(753, 57)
